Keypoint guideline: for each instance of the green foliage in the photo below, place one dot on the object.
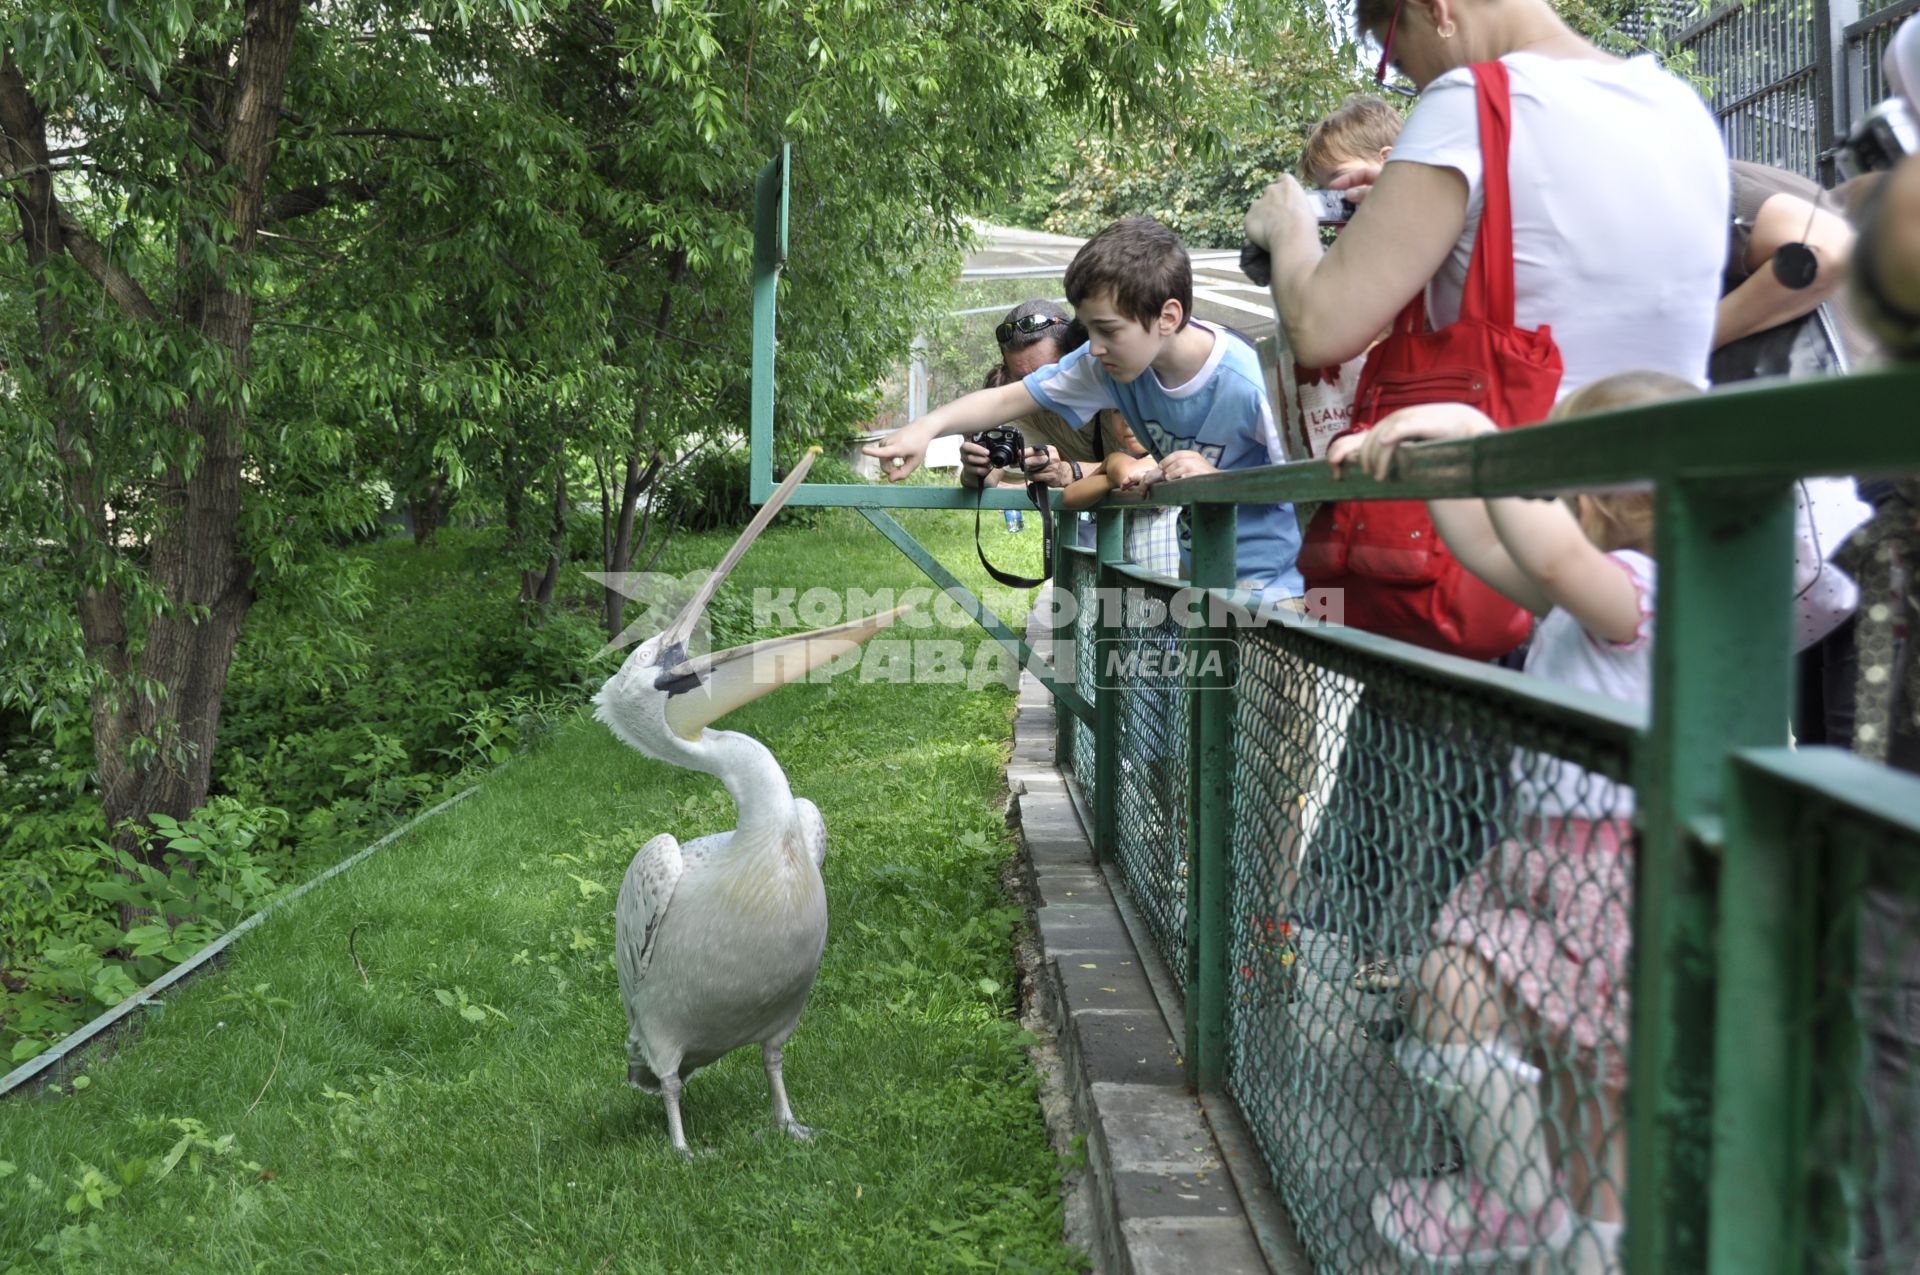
(316, 727)
(1240, 124)
(209, 872)
(375, 1124)
(713, 492)
(1198, 168)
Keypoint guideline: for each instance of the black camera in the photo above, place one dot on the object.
(1005, 447)
(1878, 141)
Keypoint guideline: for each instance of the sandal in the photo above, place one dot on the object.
(1456, 1221)
(1377, 976)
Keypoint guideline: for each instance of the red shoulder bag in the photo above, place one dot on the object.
(1397, 576)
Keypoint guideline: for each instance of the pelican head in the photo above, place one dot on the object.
(661, 700)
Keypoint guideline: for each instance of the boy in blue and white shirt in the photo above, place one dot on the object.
(1192, 392)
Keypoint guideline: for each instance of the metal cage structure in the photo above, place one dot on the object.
(1787, 79)
(1295, 810)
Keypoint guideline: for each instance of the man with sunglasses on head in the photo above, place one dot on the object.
(1033, 335)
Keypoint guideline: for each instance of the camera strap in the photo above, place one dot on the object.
(1037, 493)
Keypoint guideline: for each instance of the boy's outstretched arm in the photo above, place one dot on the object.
(901, 452)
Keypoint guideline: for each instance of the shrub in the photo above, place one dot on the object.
(352, 709)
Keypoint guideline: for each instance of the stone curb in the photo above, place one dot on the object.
(1164, 1200)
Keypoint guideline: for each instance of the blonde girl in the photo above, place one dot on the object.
(1535, 940)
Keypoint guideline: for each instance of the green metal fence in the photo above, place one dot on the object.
(1325, 804)
(1362, 814)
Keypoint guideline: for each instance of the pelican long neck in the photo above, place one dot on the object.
(752, 776)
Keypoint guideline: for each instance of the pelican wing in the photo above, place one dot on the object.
(813, 831)
(644, 896)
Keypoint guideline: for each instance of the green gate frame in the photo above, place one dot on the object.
(1725, 1097)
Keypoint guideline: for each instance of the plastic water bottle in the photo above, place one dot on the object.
(1016, 521)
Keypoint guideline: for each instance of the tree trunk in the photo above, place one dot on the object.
(427, 508)
(638, 482)
(156, 717)
(537, 586)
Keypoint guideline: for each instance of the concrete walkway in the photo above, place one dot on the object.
(1169, 1195)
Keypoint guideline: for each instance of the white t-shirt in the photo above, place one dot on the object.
(1564, 652)
(1621, 198)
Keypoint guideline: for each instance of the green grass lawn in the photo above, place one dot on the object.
(463, 1107)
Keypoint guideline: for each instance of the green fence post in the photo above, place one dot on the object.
(1112, 548)
(1764, 1046)
(1722, 680)
(1209, 801)
(1066, 666)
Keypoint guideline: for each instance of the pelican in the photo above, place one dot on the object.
(717, 941)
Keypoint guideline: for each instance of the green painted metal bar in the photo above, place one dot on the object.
(1832, 1203)
(1134, 571)
(1747, 431)
(1721, 680)
(881, 495)
(1763, 1050)
(1066, 663)
(770, 191)
(977, 610)
(1806, 830)
(1611, 723)
(1842, 781)
(1110, 549)
(1209, 806)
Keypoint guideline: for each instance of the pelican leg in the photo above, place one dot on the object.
(670, 1091)
(783, 1119)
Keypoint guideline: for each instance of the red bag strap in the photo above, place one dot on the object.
(1489, 291)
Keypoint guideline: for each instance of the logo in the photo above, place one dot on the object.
(1161, 662)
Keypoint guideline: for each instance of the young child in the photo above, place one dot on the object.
(1348, 146)
(1535, 940)
(1193, 393)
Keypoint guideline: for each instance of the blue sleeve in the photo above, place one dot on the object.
(1253, 419)
(1076, 388)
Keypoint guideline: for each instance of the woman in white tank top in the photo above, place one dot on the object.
(1620, 197)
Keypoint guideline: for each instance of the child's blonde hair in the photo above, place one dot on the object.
(1619, 519)
(1362, 127)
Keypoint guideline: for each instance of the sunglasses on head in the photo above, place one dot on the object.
(1026, 325)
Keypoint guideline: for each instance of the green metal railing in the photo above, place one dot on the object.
(1322, 804)
(1772, 1126)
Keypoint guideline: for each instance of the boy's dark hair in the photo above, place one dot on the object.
(1141, 262)
(1069, 331)
(1362, 127)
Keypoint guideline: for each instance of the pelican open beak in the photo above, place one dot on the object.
(675, 669)
(725, 680)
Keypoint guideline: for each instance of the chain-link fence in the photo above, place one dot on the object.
(1429, 888)
(1430, 897)
(1878, 1133)
(1151, 818)
(1834, 940)
(1077, 576)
